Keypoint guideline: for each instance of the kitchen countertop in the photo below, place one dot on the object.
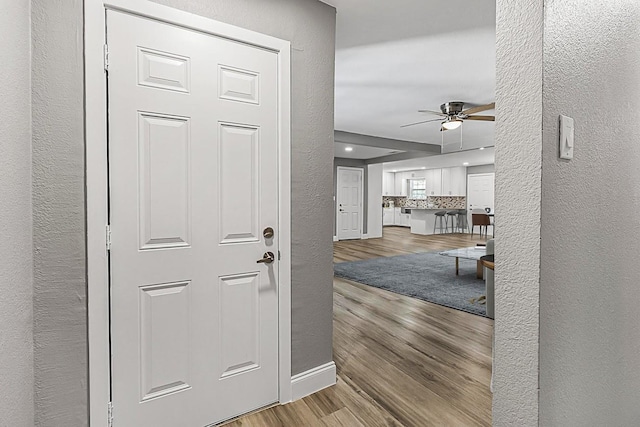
(426, 209)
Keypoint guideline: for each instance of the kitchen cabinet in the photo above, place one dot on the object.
(397, 184)
(401, 219)
(419, 174)
(404, 188)
(388, 184)
(433, 182)
(388, 216)
(438, 182)
(401, 187)
(454, 181)
(405, 220)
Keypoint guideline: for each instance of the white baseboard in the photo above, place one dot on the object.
(335, 238)
(365, 236)
(313, 380)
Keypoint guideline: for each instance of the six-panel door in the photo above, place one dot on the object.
(193, 182)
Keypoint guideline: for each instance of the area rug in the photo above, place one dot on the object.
(427, 276)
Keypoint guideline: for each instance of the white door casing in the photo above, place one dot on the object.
(480, 191)
(349, 221)
(193, 182)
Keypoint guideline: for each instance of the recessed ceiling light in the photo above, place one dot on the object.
(465, 164)
(481, 148)
(348, 148)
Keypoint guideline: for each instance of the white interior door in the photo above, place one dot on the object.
(193, 184)
(349, 203)
(480, 191)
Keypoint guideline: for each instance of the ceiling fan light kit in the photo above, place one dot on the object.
(450, 124)
(453, 114)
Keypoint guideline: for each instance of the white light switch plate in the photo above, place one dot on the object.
(566, 137)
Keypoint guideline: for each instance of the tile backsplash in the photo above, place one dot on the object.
(437, 202)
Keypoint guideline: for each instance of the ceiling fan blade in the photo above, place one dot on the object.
(419, 123)
(438, 113)
(483, 118)
(479, 109)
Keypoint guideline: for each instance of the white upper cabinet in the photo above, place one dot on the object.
(404, 190)
(401, 185)
(398, 184)
(434, 182)
(416, 174)
(438, 182)
(454, 181)
(388, 184)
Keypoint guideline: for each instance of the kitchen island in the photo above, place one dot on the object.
(422, 220)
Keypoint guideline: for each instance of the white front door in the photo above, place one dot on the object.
(480, 191)
(193, 184)
(349, 203)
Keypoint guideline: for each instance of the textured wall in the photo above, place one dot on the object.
(60, 316)
(16, 287)
(518, 192)
(310, 27)
(589, 293)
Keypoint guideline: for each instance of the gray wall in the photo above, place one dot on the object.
(589, 293)
(518, 193)
(352, 163)
(16, 288)
(310, 26)
(60, 332)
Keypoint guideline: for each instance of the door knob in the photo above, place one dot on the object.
(267, 258)
(268, 233)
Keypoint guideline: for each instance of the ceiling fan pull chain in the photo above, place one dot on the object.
(461, 136)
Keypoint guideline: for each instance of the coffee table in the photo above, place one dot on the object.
(474, 252)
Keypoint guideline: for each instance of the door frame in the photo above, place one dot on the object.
(97, 184)
(361, 170)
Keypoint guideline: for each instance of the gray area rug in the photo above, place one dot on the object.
(427, 276)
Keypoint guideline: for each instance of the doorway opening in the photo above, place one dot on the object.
(422, 127)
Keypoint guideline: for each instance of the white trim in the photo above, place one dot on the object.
(284, 222)
(335, 239)
(96, 181)
(365, 236)
(96, 199)
(361, 170)
(313, 380)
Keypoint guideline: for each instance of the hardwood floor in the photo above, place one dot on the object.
(400, 361)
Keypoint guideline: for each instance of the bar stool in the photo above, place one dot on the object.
(462, 220)
(443, 225)
(451, 216)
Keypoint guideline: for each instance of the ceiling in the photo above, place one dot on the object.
(472, 157)
(361, 152)
(395, 57)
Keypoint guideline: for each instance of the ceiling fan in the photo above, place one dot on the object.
(453, 114)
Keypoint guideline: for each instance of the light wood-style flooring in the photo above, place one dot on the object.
(400, 361)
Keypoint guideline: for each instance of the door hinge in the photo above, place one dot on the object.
(110, 414)
(106, 57)
(108, 236)
(279, 256)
